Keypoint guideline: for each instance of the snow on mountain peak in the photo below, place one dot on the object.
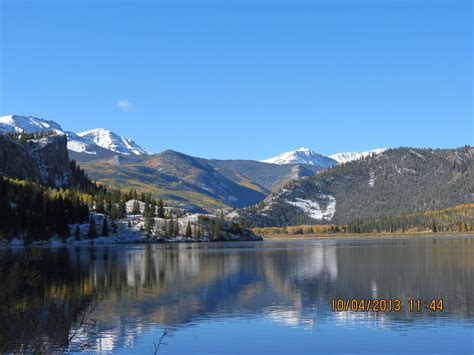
(112, 141)
(17, 123)
(346, 157)
(305, 155)
(302, 155)
(86, 142)
(303, 149)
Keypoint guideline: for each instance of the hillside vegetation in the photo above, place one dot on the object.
(453, 219)
(398, 181)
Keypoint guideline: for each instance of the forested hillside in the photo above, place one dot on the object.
(453, 219)
(43, 195)
(178, 178)
(398, 181)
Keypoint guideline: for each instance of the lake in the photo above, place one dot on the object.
(271, 297)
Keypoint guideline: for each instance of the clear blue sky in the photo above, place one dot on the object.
(245, 79)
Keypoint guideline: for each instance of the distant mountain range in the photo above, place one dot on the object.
(302, 156)
(97, 143)
(295, 187)
(342, 158)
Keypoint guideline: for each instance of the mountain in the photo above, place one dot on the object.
(346, 157)
(302, 156)
(263, 177)
(44, 160)
(195, 183)
(112, 141)
(94, 144)
(394, 182)
(187, 181)
(15, 123)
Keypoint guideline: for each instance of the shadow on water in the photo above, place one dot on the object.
(100, 298)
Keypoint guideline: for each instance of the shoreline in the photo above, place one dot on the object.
(113, 240)
(329, 236)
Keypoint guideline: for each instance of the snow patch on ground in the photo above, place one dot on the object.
(371, 179)
(314, 210)
(417, 154)
(129, 206)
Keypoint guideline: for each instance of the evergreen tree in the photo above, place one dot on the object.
(176, 227)
(149, 222)
(161, 208)
(105, 228)
(92, 233)
(136, 207)
(146, 209)
(114, 227)
(77, 233)
(189, 232)
(99, 203)
(170, 228)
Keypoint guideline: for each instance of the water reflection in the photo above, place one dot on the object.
(129, 289)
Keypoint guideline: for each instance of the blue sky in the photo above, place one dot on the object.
(244, 79)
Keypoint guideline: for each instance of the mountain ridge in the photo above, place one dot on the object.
(89, 143)
(397, 181)
(301, 155)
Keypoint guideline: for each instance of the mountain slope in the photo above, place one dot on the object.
(302, 156)
(94, 144)
(188, 181)
(346, 157)
(112, 141)
(260, 176)
(398, 181)
(43, 160)
(18, 124)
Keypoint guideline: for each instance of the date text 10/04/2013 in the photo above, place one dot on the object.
(386, 305)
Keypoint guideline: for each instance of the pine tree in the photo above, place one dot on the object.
(176, 227)
(136, 207)
(170, 228)
(105, 228)
(146, 209)
(92, 233)
(99, 203)
(149, 220)
(161, 209)
(189, 232)
(77, 233)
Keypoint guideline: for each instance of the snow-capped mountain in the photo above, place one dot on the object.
(307, 156)
(112, 141)
(90, 142)
(342, 158)
(302, 156)
(14, 123)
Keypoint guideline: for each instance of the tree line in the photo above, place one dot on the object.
(453, 219)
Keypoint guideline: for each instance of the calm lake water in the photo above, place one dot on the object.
(246, 298)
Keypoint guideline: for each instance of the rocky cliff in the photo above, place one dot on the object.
(44, 160)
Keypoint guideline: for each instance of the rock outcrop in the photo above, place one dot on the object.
(44, 160)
